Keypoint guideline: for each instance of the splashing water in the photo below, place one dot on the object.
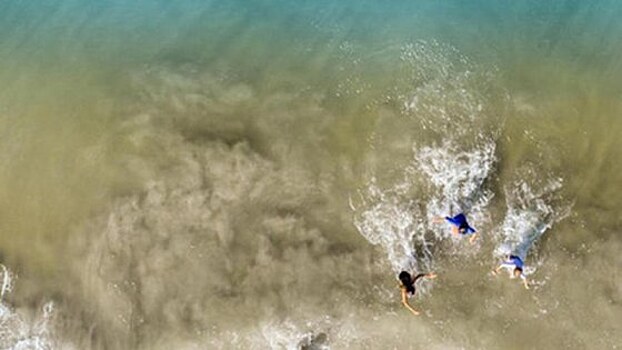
(450, 100)
(458, 179)
(7, 281)
(443, 100)
(529, 215)
(18, 332)
(399, 224)
(286, 335)
(389, 221)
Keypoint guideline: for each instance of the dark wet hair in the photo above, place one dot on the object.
(519, 269)
(463, 227)
(407, 282)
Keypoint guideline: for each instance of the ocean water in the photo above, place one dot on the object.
(253, 174)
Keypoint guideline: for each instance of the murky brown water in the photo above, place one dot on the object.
(252, 175)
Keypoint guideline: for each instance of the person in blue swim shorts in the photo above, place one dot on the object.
(515, 264)
(459, 225)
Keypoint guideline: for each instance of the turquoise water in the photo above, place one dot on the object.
(251, 174)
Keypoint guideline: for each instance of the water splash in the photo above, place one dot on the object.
(8, 279)
(453, 100)
(287, 335)
(388, 220)
(18, 332)
(403, 226)
(530, 213)
(457, 177)
(447, 100)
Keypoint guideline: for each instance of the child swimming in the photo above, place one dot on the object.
(407, 287)
(460, 226)
(515, 264)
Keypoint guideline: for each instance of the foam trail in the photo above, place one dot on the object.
(445, 100)
(455, 183)
(450, 94)
(529, 215)
(287, 335)
(7, 281)
(389, 221)
(450, 99)
(458, 178)
(20, 333)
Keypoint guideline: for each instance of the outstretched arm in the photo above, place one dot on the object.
(405, 302)
(430, 275)
(418, 277)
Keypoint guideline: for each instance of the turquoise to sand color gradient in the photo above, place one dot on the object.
(99, 98)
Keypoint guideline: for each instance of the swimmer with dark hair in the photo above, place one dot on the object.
(459, 225)
(407, 287)
(514, 264)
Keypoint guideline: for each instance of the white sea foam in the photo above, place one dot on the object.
(289, 336)
(8, 279)
(446, 100)
(18, 332)
(404, 227)
(530, 213)
(458, 178)
(390, 220)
